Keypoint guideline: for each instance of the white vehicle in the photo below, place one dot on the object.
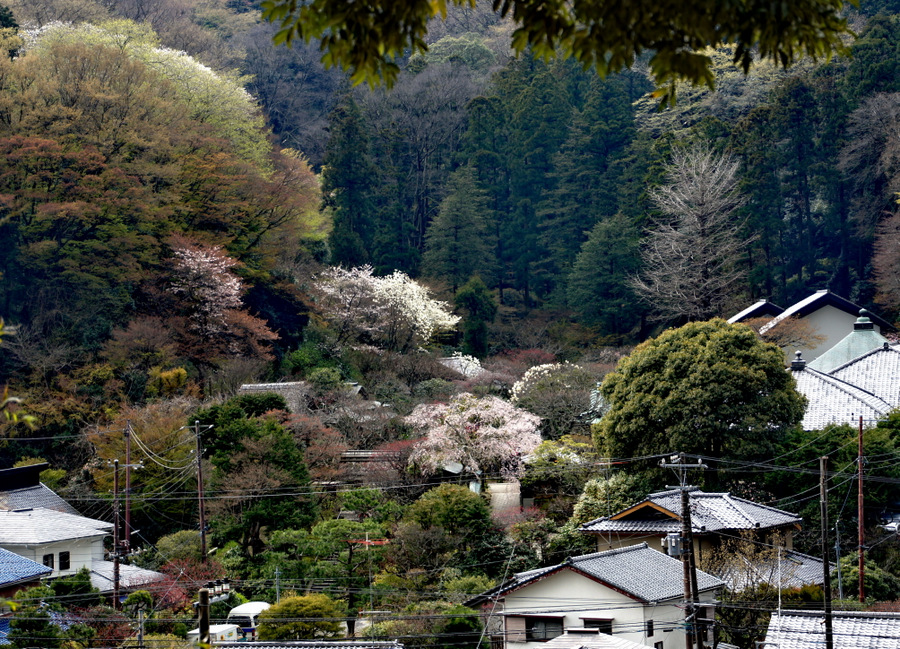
(246, 617)
(217, 633)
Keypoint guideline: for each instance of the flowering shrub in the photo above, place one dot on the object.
(486, 435)
(393, 312)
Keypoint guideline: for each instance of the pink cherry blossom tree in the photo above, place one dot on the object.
(487, 435)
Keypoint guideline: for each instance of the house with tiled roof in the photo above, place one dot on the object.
(832, 400)
(21, 488)
(63, 542)
(634, 593)
(850, 630)
(17, 573)
(713, 515)
(827, 314)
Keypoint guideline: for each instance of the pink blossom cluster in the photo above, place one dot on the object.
(487, 435)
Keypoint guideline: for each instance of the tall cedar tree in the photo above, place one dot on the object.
(457, 243)
(348, 180)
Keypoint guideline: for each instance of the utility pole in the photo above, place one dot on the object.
(116, 534)
(203, 619)
(200, 497)
(127, 539)
(826, 572)
(691, 592)
(860, 517)
(837, 553)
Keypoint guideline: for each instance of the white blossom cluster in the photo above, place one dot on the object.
(394, 311)
(484, 434)
(468, 366)
(537, 375)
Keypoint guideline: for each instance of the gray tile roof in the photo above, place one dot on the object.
(590, 641)
(877, 371)
(41, 525)
(315, 644)
(834, 401)
(15, 569)
(637, 570)
(710, 512)
(862, 339)
(129, 576)
(851, 630)
(34, 497)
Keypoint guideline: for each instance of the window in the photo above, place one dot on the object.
(48, 560)
(604, 626)
(64, 561)
(650, 626)
(543, 628)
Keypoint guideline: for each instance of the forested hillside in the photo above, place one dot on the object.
(186, 207)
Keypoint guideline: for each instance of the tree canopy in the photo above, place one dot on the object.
(708, 387)
(597, 33)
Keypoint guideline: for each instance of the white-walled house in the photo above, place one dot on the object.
(634, 593)
(64, 542)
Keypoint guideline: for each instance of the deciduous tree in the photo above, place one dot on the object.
(487, 435)
(691, 258)
(601, 34)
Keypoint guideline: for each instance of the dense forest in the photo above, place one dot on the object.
(186, 207)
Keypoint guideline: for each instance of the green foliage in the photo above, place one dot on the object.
(480, 309)
(325, 379)
(454, 508)
(606, 496)
(75, 590)
(708, 387)
(216, 99)
(880, 585)
(458, 240)
(348, 178)
(306, 617)
(594, 33)
(559, 468)
(598, 287)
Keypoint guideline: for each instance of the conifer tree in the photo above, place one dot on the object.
(457, 243)
(348, 185)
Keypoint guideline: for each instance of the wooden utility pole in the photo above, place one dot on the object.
(861, 518)
(826, 572)
(203, 617)
(200, 494)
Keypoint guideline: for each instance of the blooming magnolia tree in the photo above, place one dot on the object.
(487, 435)
(393, 312)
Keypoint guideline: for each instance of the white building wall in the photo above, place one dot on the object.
(578, 597)
(82, 553)
(829, 322)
